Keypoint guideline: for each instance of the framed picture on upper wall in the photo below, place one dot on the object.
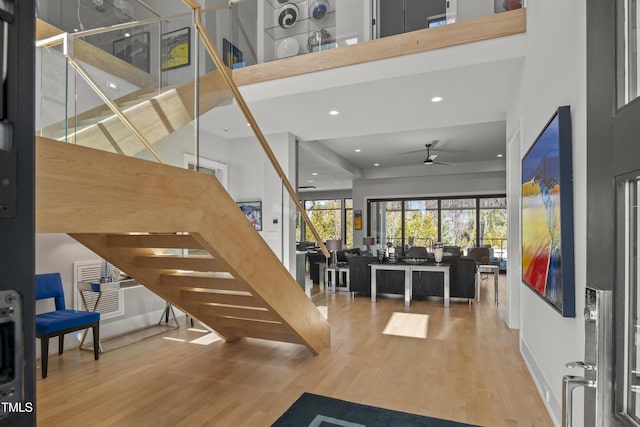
(547, 215)
(134, 50)
(175, 49)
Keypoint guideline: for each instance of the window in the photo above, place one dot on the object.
(628, 58)
(465, 222)
(421, 222)
(326, 217)
(386, 222)
(458, 222)
(348, 221)
(492, 229)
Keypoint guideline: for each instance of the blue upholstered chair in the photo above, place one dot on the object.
(61, 321)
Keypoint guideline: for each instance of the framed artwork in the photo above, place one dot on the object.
(134, 50)
(253, 212)
(231, 55)
(175, 49)
(357, 219)
(547, 215)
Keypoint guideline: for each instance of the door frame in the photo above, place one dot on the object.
(17, 225)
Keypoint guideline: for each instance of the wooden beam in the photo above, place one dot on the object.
(44, 30)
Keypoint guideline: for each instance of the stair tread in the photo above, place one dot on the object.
(255, 314)
(256, 329)
(242, 299)
(201, 274)
(200, 263)
(199, 280)
(157, 240)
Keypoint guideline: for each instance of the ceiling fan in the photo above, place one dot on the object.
(431, 158)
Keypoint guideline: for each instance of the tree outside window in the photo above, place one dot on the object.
(325, 215)
(459, 222)
(421, 222)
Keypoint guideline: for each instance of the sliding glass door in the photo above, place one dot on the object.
(462, 221)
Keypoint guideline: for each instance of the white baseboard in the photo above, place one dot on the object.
(554, 407)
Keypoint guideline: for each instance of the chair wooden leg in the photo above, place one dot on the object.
(96, 341)
(44, 355)
(60, 343)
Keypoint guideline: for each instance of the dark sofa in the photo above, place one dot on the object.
(462, 279)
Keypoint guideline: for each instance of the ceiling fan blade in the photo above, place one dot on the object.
(412, 152)
(433, 156)
(443, 163)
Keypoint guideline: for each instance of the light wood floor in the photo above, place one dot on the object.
(468, 369)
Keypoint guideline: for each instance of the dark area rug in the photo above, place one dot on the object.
(319, 411)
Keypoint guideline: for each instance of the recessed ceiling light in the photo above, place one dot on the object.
(436, 99)
(310, 181)
(499, 155)
(376, 164)
(334, 112)
(249, 124)
(314, 173)
(127, 35)
(358, 150)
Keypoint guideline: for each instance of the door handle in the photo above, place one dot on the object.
(570, 383)
(584, 365)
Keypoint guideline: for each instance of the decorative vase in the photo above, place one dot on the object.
(438, 252)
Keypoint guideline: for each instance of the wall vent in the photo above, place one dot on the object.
(111, 302)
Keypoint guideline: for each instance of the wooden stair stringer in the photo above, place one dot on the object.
(83, 191)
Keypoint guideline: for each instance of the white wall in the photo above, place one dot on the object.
(425, 186)
(514, 255)
(350, 22)
(554, 75)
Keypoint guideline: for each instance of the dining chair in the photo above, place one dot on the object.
(61, 321)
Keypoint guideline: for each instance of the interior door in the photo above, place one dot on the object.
(613, 132)
(17, 341)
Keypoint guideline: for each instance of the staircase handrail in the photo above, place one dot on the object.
(226, 75)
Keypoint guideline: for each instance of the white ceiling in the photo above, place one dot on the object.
(386, 111)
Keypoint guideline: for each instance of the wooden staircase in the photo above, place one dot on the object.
(143, 216)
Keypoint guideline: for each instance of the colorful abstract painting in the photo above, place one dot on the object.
(542, 217)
